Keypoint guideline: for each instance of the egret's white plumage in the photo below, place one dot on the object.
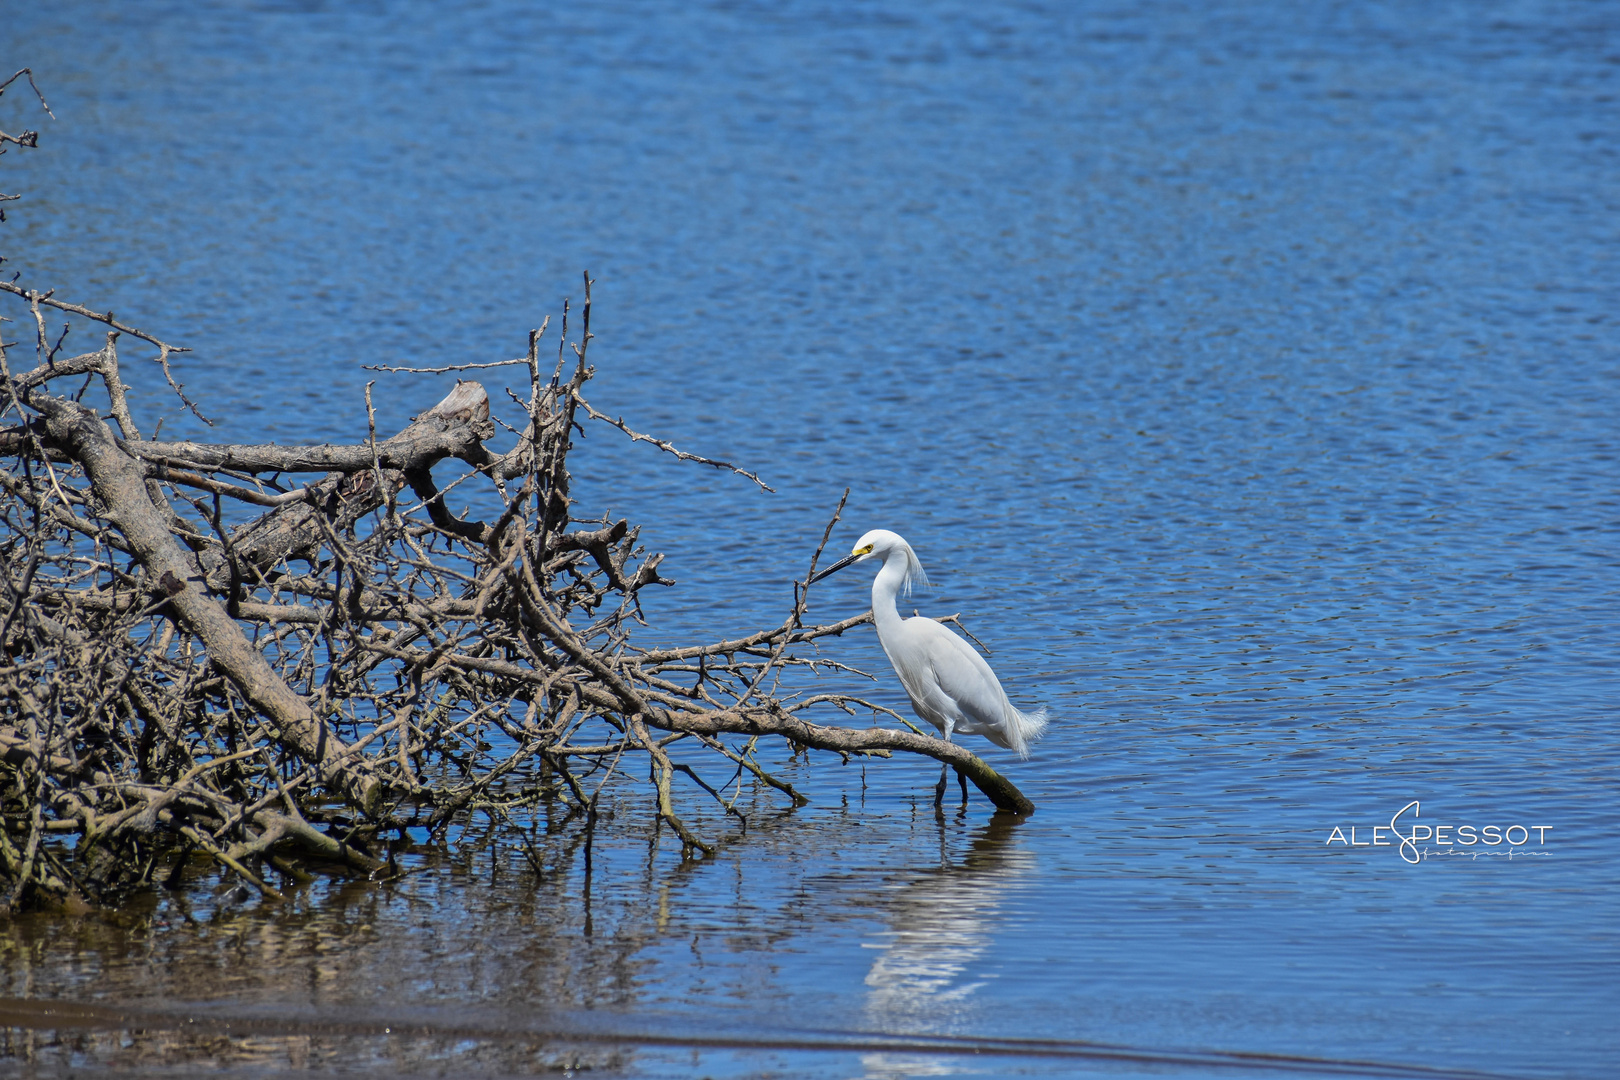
(949, 683)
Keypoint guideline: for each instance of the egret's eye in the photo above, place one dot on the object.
(863, 550)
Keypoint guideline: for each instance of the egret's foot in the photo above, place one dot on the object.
(961, 778)
(939, 788)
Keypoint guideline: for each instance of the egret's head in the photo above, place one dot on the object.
(882, 545)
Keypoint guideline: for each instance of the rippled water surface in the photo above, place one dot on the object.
(1244, 374)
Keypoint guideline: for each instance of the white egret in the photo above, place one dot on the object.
(949, 683)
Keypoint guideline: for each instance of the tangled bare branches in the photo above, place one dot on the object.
(29, 139)
(201, 659)
(355, 659)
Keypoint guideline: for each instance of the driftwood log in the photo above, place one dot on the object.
(200, 657)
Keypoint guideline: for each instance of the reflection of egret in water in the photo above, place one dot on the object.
(945, 920)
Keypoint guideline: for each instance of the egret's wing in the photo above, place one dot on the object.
(961, 674)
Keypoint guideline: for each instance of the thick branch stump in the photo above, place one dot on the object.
(119, 482)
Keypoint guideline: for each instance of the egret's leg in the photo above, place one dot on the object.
(961, 778)
(939, 788)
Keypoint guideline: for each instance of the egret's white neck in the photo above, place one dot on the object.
(886, 586)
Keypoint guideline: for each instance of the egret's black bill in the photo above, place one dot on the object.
(837, 566)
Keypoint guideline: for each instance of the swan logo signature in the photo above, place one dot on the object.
(1465, 840)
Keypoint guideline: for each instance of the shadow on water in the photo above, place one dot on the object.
(194, 1041)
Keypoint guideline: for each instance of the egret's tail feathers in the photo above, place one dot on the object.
(1025, 729)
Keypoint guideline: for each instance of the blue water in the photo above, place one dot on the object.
(1244, 374)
